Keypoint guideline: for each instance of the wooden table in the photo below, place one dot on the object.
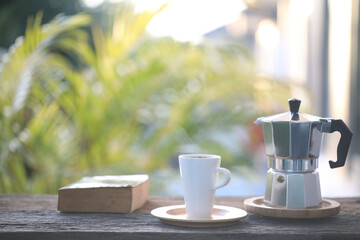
(36, 217)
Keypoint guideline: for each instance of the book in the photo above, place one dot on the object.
(110, 194)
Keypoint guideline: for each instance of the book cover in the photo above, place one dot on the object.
(112, 193)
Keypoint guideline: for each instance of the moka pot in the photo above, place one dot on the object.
(293, 141)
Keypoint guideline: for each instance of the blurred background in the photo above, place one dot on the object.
(90, 87)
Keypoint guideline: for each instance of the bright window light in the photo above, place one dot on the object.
(186, 20)
(92, 3)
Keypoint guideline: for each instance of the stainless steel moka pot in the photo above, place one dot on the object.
(293, 142)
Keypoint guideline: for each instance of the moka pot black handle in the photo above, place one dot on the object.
(333, 125)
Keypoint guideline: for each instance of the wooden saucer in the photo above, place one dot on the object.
(176, 215)
(327, 208)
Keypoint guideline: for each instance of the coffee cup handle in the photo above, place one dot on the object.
(227, 178)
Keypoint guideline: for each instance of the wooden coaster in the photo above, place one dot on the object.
(327, 208)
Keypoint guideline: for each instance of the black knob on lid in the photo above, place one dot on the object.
(294, 105)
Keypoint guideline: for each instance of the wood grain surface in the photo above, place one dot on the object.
(36, 217)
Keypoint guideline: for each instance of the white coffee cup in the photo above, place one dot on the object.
(199, 175)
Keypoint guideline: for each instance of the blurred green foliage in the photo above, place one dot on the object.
(114, 100)
(14, 13)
